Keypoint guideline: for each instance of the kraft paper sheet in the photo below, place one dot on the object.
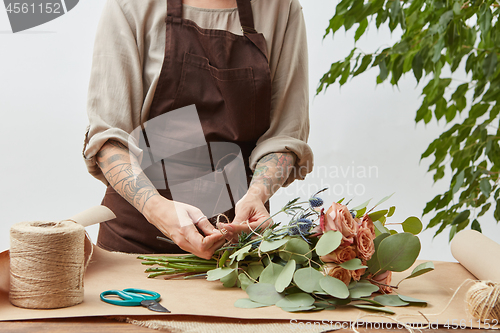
(196, 299)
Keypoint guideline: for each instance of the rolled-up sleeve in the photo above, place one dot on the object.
(289, 128)
(115, 94)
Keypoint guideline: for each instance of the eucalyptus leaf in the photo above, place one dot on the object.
(296, 300)
(255, 269)
(390, 300)
(411, 299)
(373, 308)
(380, 228)
(218, 273)
(296, 249)
(391, 211)
(360, 212)
(353, 264)
(412, 225)
(266, 246)
(398, 252)
(378, 214)
(334, 287)
(369, 300)
(324, 306)
(421, 269)
(271, 273)
(285, 276)
(246, 303)
(307, 279)
(373, 263)
(384, 199)
(267, 259)
(362, 290)
(299, 309)
(263, 293)
(241, 253)
(338, 301)
(363, 205)
(229, 280)
(328, 242)
(244, 281)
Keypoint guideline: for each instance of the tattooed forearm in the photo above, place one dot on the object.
(271, 172)
(124, 174)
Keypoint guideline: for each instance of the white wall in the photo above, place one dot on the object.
(44, 74)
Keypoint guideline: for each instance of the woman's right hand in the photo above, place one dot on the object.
(177, 221)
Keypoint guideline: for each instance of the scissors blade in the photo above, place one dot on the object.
(154, 306)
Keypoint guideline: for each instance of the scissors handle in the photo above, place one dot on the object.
(129, 296)
(146, 294)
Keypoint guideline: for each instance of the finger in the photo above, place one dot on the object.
(201, 245)
(194, 241)
(229, 230)
(240, 217)
(217, 245)
(238, 228)
(206, 227)
(212, 240)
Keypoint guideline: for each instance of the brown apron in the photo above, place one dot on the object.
(227, 77)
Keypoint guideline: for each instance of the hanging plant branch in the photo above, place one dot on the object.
(462, 37)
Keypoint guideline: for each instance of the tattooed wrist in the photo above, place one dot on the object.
(270, 173)
(124, 174)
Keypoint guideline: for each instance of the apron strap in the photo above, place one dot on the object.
(246, 16)
(174, 8)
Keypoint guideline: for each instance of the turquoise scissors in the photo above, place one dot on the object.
(134, 297)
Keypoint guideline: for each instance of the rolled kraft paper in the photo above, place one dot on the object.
(47, 263)
(478, 254)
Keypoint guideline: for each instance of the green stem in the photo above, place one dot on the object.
(175, 259)
(152, 275)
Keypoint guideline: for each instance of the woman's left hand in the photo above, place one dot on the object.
(250, 213)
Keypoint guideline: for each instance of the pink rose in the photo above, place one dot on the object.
(383, 281)
(364, 243)
(338, 218)
(367, 222)
(340, 255)
(338, 272)
(356, 275)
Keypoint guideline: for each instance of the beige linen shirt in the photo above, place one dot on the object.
(128, 55)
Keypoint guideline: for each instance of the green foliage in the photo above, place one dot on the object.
(420, 269)
(334, 287)
(398, 252)
(457, 37)
(390, 300)
(328, 242)
(288, 266)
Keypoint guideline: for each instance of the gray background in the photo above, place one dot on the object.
(44, 73)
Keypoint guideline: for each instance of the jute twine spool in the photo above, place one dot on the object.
(483, 300)
(47, 263)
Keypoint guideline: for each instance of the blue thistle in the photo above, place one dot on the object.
(300, 227)
(315, 202)
(304, 225)
(353, 213)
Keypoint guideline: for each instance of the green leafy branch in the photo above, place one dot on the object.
(461, 37)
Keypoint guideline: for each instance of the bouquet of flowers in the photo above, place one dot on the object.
(320, 259)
